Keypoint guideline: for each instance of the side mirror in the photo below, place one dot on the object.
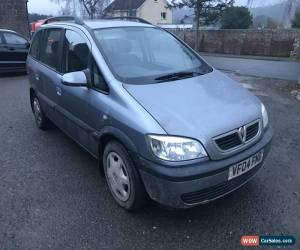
(27, 45)
(75, 79)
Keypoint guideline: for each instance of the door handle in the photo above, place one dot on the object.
(58, 91)
(37, 77)
(11, 49)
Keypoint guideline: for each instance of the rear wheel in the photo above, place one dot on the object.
(122, 177)
(41, 120)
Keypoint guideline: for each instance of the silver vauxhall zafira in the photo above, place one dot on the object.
(162, 122)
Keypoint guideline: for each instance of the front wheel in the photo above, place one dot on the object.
(122, 177)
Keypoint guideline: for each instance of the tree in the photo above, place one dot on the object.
(206, 11)
(296, 20)
(272, 24)
(33, 17)
(93, 8)
(289, 6)
(259, 22)
(236, 18)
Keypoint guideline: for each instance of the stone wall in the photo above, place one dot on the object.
(13, 16)
(296, 50)
(267, 42)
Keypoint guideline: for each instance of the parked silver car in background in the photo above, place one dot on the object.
(162, 122)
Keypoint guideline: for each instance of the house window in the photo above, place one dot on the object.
(133, 13)
(163, 15)
(124, 13)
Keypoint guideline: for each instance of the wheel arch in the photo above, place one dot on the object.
(32, 93)
(110, 133)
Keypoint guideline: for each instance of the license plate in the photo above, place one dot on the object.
(245, 165)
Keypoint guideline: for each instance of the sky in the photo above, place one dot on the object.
(43, 7)
(48, 7)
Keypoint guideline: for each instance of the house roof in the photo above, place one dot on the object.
(124, 5)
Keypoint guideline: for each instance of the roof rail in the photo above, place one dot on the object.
(129, 18)
(74, 19)
(78, 20)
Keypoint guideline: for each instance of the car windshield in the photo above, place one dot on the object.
(142, 55)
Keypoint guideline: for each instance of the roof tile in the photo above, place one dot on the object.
(124, 5)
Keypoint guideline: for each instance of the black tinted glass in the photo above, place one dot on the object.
(98, 79)
(76, 52)
(1, 39)
(50, 49)
(35, 45)
(14, 39)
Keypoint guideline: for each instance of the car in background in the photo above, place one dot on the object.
(13, 51)
(36, 25)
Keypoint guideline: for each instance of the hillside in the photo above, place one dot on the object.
(281, 13)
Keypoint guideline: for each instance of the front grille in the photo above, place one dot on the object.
(233, 140)
(218, 190)
(252, 131)
(229, 141)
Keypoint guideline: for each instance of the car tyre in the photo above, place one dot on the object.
(41, 119)
(122, 177)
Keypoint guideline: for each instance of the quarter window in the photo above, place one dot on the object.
(1, 39)
(14, 39)
(98, 79)
(76, 52)
(35, 45)
(50, 49)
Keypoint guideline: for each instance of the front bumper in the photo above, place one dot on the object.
(198, 183)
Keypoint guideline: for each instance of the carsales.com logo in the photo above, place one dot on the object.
(255, 240)
(247, 240)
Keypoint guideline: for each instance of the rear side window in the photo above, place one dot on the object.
(14, 39)
(1, 39)
(50, 51)
(76, 52)
(35, 45)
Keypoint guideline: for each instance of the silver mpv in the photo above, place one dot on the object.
(162, 122)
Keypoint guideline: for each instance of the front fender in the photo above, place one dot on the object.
(109, 131)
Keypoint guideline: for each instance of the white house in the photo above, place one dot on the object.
(154, 11)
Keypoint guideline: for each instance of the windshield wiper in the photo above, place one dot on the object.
(178, 75)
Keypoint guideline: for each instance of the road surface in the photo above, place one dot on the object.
(287, 70)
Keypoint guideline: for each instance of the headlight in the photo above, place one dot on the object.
(264, 115)
(173, 148)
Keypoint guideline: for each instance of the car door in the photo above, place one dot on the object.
(3, 53)
(73, 101)
(48, 72)
(16, 49)
(100, 103)
(33, 65)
